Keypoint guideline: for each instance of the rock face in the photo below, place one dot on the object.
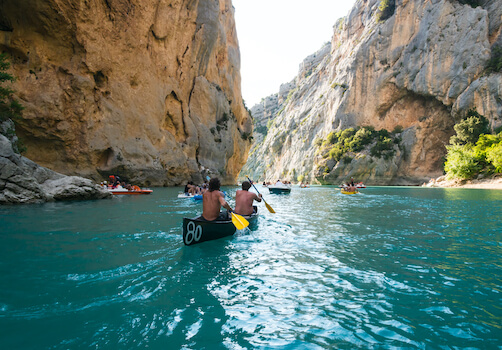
(23, 181)
(148, 90)
(420, 70)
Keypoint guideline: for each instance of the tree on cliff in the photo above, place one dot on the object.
(9, 107)
(385, 10)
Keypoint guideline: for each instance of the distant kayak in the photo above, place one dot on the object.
(347, 192)
(357, 185)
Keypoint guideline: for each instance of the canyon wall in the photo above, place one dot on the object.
(148, 90)
(417, 72)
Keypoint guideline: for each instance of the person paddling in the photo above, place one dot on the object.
(244, 200)
(212, 200)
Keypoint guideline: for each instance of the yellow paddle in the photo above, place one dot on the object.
(263, 199)
(239, 221)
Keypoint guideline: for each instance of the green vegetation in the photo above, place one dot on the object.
(495, 62)
(9, 107)
(338, 144)
(385, 10)
(469, 129)
(472, 3)
(473, 151)
(262, 130)
(343, 86)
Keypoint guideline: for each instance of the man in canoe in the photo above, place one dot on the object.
(212, 200)
(244, 200)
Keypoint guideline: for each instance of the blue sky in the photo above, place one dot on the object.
(276, 35)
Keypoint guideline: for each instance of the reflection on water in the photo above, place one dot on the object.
(390, 267)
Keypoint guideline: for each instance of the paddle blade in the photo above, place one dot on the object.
(269, 207)
(239, 222)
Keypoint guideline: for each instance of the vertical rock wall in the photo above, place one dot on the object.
(149, 90)
(419, 70)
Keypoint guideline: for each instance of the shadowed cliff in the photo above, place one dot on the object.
(146, 90)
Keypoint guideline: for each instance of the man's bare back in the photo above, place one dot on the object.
(244, 202)
(211, 203)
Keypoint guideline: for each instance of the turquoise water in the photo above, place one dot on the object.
(392, 267)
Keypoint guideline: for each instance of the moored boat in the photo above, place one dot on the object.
(197, 230)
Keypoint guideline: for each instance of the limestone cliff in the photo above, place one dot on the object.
(417, 71)
(149, 90)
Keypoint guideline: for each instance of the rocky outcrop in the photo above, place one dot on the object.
(146, 90)
(419, 72)
(23, 181)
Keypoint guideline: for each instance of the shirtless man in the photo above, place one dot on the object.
(244, 200)
(212, 200)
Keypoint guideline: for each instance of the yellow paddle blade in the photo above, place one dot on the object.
(269, 207)
(239, 222)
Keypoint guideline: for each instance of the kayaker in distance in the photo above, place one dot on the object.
(350, 187)
(244, 200)
(212, 200)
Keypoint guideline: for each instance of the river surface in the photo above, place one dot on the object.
(391, 267)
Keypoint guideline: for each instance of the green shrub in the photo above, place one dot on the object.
(495, 62)
(398, 129)
(384, 147)
(486, 141)
(382, 133)
(261, 130)
(494, 156)
(345, 136)
(337, 152)
(469, 129)
(362, 137)
(472, 3)
(466, 161)
(9, 107)
(385, 10)
(461, 162)
(332, 138)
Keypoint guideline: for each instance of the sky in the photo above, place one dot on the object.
(276, 35)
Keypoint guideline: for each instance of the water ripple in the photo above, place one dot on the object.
(388, 268)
